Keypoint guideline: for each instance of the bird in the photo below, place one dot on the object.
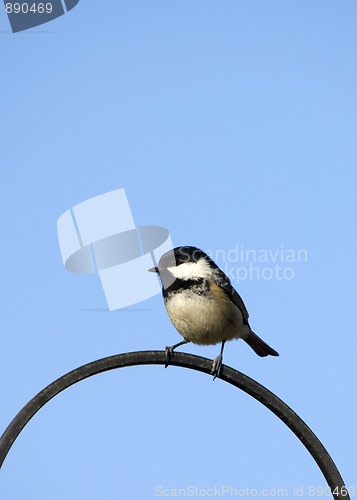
(203, 305)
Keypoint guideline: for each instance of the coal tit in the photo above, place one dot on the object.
(202, 304)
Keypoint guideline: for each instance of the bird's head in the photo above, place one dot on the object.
(184, 263)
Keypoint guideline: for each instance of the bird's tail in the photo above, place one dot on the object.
(259, 346)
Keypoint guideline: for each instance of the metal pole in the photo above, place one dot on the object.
(234, 377)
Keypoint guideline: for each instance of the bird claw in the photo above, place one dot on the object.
(169, 352)
(216, 366)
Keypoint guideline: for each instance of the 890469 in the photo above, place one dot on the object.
(325, 491)
(27, 8)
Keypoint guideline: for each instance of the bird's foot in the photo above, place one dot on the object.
(169, 352)
(216, 366)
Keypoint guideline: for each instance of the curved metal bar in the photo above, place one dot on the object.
(234, 377)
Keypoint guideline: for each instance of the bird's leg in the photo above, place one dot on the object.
(169, 351)
(217, 362)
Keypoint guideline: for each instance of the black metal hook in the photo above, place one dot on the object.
(234, 377)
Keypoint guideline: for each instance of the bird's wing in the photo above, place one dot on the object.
(224, 282)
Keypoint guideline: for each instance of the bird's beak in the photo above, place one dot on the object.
(154, 269)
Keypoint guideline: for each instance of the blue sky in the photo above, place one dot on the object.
(230, 123)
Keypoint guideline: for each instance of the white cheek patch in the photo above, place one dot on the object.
(191, 270)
